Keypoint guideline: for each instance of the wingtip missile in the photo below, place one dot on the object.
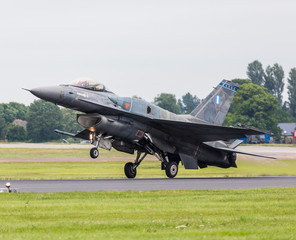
(26, 89)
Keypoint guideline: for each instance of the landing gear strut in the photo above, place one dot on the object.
(94, 152)
(169, 165)
(169, 162)
(130, 169)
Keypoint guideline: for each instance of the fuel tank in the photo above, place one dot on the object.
(131, 131)
(207, 156)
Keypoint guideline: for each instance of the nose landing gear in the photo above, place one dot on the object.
(94, 153)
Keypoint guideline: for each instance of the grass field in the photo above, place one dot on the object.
(85, 168)
(148, 169)
(200, 214)
(228, 214)
(43, 153)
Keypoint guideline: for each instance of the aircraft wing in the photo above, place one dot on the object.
(186, 131)
(197, 133)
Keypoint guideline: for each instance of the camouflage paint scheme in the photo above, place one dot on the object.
(131, 124)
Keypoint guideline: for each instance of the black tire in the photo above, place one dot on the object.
(129, 171)
(171, 169)
(94, 153)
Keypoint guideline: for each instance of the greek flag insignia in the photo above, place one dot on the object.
(217, 99)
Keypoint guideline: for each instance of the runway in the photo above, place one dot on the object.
(43, 186)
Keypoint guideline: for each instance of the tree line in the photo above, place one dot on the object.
(40, 119)
(258, 103)
(273, 79)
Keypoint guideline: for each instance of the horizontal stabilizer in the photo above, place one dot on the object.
(240, 152)
(235, 143)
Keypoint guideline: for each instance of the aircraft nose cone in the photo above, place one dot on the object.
(53, 94)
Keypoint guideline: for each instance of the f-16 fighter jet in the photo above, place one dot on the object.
(196, 140)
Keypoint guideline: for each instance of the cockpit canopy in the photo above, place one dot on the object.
(89, 84)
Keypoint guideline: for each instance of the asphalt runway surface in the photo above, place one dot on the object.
(42, 186)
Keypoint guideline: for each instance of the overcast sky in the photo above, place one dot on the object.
(139, 47)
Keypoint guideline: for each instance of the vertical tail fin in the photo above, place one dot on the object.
(215, 106)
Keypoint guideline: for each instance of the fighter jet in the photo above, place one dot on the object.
(130, 125)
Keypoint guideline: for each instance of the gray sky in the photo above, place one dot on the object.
(140, 47)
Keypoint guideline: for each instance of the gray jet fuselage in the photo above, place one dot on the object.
(80, 99)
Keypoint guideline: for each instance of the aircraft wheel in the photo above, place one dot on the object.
(171, 169)
(129, 171)
(94, 153)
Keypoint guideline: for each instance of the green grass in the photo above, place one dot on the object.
(148, 169)
(216, 214)
(85, 168)
(43, 153)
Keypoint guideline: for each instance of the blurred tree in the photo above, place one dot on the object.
(274, 81)
(254, 106)
(16, 133)
(182, 107)
(189, 102)
(135, 96)
(168, 101)
(255, 72)
(279, 75)
(269, 79)
(285, 115)
(3, 128)
(8, 113)
(21, 110)
(43, 118)
(241, 81)
(292, 91)
(69, 122)
(13, 110)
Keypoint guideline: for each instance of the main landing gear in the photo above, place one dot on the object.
(171, 168)
(130, 169)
